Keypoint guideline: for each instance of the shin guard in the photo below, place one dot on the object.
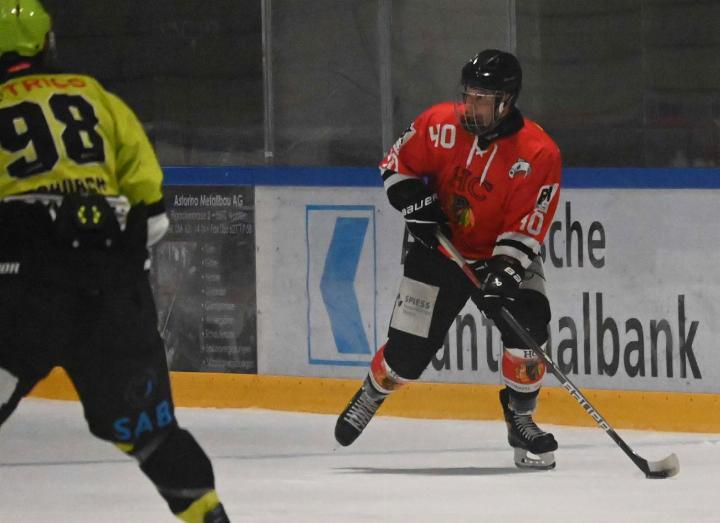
(522, 370)
(383, 378)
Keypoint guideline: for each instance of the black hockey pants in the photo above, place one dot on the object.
(89, 310)
(432, 292)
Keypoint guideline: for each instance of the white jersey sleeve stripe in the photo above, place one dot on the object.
(397, 178)
(508, 250)
(528, 241)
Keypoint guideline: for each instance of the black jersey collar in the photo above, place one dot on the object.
(20, 67)
(510, 125)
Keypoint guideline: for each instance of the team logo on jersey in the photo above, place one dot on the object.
(406, 135)
(545, 196)
(520, 167)
(391, 161)
(462, 211)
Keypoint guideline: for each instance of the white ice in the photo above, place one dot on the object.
(278, 466)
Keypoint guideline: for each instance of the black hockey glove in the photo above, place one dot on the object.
(424, 218)
(421, 210)
(500, 281)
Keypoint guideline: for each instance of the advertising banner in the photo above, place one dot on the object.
(328, 265)
(204, 279)
(631, 291)
(631, 279)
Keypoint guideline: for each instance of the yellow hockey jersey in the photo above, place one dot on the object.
(63, 133)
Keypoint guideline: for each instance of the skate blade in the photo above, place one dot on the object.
(527, 461)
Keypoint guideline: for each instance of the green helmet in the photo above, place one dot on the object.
(24, 25)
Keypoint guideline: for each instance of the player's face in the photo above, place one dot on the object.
(481, 109)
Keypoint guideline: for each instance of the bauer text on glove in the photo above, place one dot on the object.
(421, 209)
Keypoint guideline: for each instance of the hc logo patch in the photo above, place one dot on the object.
(341, 284)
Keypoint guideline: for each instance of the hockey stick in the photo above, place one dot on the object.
(664, 468)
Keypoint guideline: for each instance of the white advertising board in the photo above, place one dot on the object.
(328, 266)
(633, 281)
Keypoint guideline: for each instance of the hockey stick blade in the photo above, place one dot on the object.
(664, 468)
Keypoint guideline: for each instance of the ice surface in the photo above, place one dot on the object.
(280, 466)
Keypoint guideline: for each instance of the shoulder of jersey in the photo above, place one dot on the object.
(534, 137)
(88, 81)
(63, 73)
(439, 113)
(91, 80)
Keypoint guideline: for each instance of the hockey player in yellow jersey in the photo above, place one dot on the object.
(80, 202)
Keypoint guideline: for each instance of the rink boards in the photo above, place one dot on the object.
(661, 411)
(632, 277)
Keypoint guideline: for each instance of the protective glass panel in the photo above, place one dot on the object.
(616, 83)
(192, 71)
(325, 82)
(431, 41)
(624, 82)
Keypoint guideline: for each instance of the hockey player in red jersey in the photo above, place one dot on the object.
(489, 178)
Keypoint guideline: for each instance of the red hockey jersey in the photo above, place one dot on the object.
(500, 200)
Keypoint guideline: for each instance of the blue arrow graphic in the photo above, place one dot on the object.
(337, 285)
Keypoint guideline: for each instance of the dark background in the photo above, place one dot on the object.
(616, 83)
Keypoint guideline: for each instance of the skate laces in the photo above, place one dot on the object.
(526, 426)
(362, 410)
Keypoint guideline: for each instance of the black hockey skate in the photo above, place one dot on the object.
(358, 413)
(525, 436)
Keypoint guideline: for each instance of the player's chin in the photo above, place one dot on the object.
(471, 125)
(466, 122)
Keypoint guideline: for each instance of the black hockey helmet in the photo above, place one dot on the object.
(491, 75)
(495, 71)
